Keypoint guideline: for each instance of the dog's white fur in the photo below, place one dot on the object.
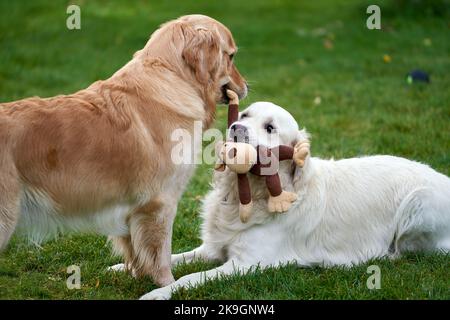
(347, 212)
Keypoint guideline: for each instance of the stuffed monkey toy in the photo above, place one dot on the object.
(242, 157)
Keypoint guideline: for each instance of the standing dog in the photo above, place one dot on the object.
(99, 160)
(347, 212)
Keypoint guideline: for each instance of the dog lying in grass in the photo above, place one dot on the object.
(347, 212)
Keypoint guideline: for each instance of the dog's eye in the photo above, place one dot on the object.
(231, 56)
(269, 128)
(244, 115)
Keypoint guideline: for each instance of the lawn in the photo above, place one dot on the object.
(344, 83)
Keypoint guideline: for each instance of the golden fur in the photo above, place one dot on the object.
(109, 144)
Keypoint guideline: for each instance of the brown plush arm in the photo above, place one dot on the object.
(233, 109)
(284, 152)
(233, 114)
(245, 195)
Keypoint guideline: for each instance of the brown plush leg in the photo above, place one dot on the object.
(245, 198)
(274, 185)
(279, 200)
(281, 203)
(245, 211)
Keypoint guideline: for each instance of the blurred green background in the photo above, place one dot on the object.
(346, 84)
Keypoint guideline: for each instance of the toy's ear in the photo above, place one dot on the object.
(220, 163)
(219, 166)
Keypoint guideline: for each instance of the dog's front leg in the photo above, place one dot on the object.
(151, 239)
(195, 279)
(205, 253)
(199, 253)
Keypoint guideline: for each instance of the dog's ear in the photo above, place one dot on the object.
(201, 52)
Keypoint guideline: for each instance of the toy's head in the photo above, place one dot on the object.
(237, 156)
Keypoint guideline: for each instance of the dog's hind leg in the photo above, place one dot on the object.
(425, 221)
(9, 201)
(151, 238)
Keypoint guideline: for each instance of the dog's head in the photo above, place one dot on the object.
(202, 50)
(264, 123)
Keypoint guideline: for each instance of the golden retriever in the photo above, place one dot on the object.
(99, 160)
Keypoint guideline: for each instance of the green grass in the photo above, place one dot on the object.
(366, 108)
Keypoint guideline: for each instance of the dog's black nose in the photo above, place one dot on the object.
(239, 133)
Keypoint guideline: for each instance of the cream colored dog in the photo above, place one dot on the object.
(99, 160)
(347, 212)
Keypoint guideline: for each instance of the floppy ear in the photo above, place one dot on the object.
(202, 52)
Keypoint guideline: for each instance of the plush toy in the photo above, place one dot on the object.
(242, 157)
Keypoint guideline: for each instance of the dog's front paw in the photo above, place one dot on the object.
(157, 294)
(281, 203)
(301, 151)
(120, 267)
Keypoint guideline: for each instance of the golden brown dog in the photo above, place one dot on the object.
(99, 159)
